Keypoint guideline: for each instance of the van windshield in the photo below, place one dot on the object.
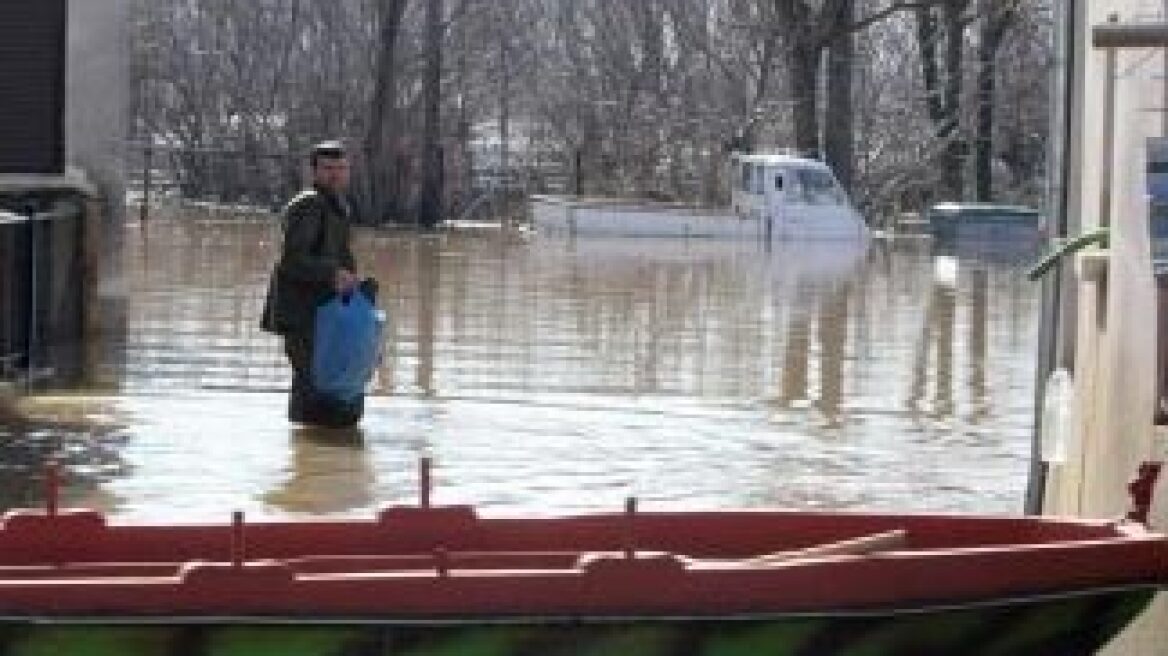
(818, 187)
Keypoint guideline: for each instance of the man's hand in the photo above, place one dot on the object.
(345, 281)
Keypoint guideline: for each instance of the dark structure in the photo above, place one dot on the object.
(32, 86)
(42, 213)
(42, 281)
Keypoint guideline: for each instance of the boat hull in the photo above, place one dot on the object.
(1054, 625)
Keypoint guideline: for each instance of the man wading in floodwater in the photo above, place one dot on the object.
(315, 263)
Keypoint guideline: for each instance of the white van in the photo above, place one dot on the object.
(793, 198)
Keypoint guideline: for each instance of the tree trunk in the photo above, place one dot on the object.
(378, 192)
(430, 202)
(927, 36)
(994, 27)
(839, 131)
(505, 178)
(746, 139)
(953, 161)
(943, 92)
(983, 168)
(804, 72)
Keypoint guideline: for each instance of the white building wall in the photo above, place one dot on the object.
(97, 83)
(98, 91)
(1115, 302)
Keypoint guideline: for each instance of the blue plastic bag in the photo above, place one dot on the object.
(347, 346)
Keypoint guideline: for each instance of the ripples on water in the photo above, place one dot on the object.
(550, 376)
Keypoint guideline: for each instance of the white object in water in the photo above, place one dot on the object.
(774, 197)
(945, 269)
(1058, 411)
(793, 197)
(609, 217)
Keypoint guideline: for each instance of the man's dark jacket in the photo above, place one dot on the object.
(316, 245)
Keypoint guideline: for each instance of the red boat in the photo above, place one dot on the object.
(445, 580)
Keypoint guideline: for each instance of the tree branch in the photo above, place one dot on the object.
(865, 22)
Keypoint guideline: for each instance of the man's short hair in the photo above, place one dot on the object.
(326, 150)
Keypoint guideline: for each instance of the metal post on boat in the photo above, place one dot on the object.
(630, 528)
(52, 487)
(237, 539)
(424, 466)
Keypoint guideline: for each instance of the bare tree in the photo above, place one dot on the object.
(839, 135)
(997, 18)
(430, 202)
(646, 98)
(941, 33)
(382, 185)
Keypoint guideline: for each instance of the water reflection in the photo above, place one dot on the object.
(832, 337)
(79, 433)
(978, 341)
(936, 341)
(560, 375)
(429, 273)
(794, 363)
(330, 472)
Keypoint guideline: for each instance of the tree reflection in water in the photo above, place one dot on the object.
(330, 472)
(79, 433)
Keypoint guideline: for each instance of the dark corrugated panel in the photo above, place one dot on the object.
(32, 86)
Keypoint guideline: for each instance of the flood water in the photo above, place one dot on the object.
(548, 376)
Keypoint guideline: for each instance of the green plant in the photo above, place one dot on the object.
(1063, 247)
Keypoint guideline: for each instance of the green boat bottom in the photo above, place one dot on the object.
(1066, 625)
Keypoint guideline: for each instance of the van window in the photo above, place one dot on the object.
(779, 182)
(819, 187)
(746, 177)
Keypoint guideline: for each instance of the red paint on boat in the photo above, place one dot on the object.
(435, 561)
